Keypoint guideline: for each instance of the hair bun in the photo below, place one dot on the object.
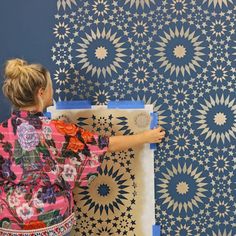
(14, 68)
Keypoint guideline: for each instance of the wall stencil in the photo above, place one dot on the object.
(120, 201)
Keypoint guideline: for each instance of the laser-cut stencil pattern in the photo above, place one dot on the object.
(120, 201)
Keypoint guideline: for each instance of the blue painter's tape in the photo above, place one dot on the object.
(82, 104)
(153, 146)
(153, 124)
(47, 114)
(156, 230)
(154, 120)
(126, 104)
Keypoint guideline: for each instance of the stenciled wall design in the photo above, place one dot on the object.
(179, 56)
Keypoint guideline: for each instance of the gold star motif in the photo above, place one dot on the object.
(182, 188)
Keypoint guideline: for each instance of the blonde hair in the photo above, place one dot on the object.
(22, 82)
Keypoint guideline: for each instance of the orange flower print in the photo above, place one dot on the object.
(66, 128)
(35, 224)
(75, 145)
(86, 135)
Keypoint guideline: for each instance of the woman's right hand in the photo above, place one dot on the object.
(154, 136)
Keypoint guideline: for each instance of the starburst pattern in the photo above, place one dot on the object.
(140, 29)
(216, 118)
(184, 230)
(141, 75)
(181, 142)
(107, 193)
(182, 187)
(178, 7)
(181, 97)
(65, 3)
(224, 232)
(221, 209)
(105, 230)
(61, 30)
(138, 3)
(221, 3)
(100, 7)
(180, 50)
(221, 164)
(219, 73)
(101, 97)
(61, 76)
(218, 28)
(101, 52)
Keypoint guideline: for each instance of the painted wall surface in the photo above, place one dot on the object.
(177, 55)
(26, 29)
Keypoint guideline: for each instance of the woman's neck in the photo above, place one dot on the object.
(31, 109)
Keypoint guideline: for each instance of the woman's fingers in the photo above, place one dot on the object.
(160, 128)
(156, 135)
(163, 133)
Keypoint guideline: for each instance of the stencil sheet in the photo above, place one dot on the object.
(120, 201)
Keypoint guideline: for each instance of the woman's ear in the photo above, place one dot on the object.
(41, 92)
(40, 99)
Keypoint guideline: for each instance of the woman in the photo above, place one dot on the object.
(42, 159)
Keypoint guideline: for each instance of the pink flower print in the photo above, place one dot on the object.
(20, 191)
(38, 203)
(25, 211)
(93, 160)
(13, 201)
(82, 156)
(94, 156)
(28, 137)
(53, 150)
(69, 173)
(56, 170)
(75, 161)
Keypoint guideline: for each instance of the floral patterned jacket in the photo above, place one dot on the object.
(41, 160)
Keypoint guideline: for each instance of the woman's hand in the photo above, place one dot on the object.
(154, 135)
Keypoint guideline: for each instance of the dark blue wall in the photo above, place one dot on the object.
(26, 32)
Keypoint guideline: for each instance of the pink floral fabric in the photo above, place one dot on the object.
(41, 160)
